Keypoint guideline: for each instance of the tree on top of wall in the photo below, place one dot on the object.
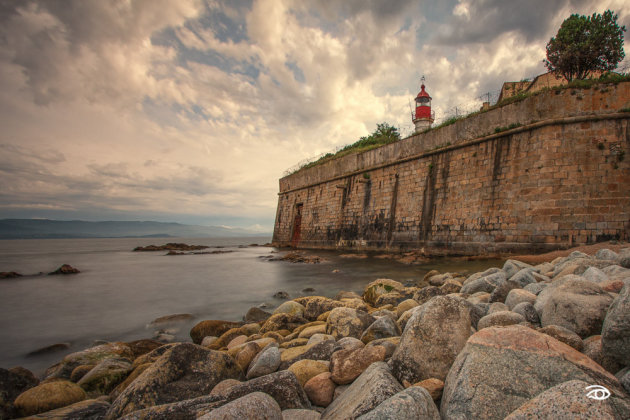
(586, 44)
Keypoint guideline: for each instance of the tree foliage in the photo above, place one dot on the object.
(586, 44)
(384, 134)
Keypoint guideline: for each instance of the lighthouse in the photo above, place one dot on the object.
(423, 116)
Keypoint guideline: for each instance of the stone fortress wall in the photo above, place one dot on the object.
(548, 172)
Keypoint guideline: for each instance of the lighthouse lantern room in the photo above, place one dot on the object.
(423, 117)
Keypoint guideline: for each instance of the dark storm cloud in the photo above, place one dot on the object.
(485, 21)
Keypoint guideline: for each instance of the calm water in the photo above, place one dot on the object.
(119, 292)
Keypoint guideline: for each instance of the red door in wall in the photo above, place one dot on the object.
(297, 226)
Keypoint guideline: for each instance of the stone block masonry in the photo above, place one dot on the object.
(558, 178)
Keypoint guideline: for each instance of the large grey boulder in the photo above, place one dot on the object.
(183, 372)
(527, 310)
(384, 327)
(578, 305)
(568, 400)
(374, 386)
(484, 284)
(265, 362)
(511, 267)
(433, 337)
(411, 404)
(265, 407)
(616, 329)
(501, 368)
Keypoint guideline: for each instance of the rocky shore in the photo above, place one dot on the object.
(517, 342)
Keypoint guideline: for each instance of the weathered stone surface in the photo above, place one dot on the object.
(300, 414)
(290, 307)
(214, 328)
(524, 276)
(318, 338)
(64, 269)
(625, 380)
(500, 368)
(153, 355)
(265, 362)
(311, 331)
(237, 341)
(593, 349)
(406, 316)
(403, 307)
(346, 365)
(616, 329)
(433, 337)
(255, 314)
(511, 267)
(355, 304)
(372, 387)
(105, 376)
(516, 296)
(48, 396)
(90, 356)
(346, 295)
(185, 371)
(305, 369)
(383, 327)
(265, 407)
(347, 322)
(282, 322)
(527, 311)
(595, 275)
(246, 354)
(350, 343)
(497, 307)
(434, 386)
(380, 287)
(410, 404)
(500, 318)
(390, 344)
(319, 351)
(425, 294)
(13, 382)
(562, 334)
(224, 385)
(391, 298)
(483, 284)
(535, 288)
(500, 292)
(568, 400)
(314, 306)
(320, 389)
(84, 410)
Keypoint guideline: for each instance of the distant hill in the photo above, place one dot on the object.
(49, 229)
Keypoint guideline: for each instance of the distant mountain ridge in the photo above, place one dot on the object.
(50, 229)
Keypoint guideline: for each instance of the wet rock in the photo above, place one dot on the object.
(265, 407)
(410, 404)
(282, 322)
(184, 371)
(213, 328)
(308, 290)
(500, 318)
(527, 311)
(578, 305)
(320, 389)
(383, 327)
(64, 269)
(143, 346)
(306, 369)
(380, 287)
(48, 396)
(516, 296)
(13, 382)
(347, 322)
(372, 387)
(85, 410)
(433, 337)
(567, 400)
(291, 308)
(9, 275)
(281, 295)
(564, 335)
(255, 314)
(501, 368)
(171, 319)
(90, 356)
(265, 362)
(53, 348)
(347, 365)
(616, 329)
(314, 306)
(105, 376)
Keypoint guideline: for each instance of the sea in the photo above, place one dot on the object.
(119, 292)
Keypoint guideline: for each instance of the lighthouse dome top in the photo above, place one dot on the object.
(423, 93)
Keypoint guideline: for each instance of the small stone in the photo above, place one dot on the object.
(383, 327)
(255, 314)
(64, 269)
(516, 296)
(207, 341)
(236, 341)
(320, 389)
(528, 312)
(265, 362)
(290, 307)
(48, 396)
(411, 403)
(224, 385)
(501, 318)
(306, 369)
(346, 365)
(281, 295)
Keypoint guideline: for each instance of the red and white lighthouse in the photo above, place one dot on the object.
(423, 117)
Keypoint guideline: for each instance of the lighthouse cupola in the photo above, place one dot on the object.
(423, 117)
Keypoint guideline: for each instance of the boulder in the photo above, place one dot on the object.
(318, 338)
(500, 318)
(312, 330)
(562, 334)
(576, 304)
(347, 322)
(315, 306)
(13, 382)
(595, 275)
(616, 329)
(390, 344)
(535, 288)
(606, 254)
(305, 369)
(511, 267)
(318, 351)
(516, 296)
(380, 287)
(423, 295)
(183, 372)
(85, 410)
(223, 386)
(153, 355)
(265, 407)
(524, 276)
(372, 387)
(501, 368)
(255, 314)
(130, 378)
(90, 356)
(213, 328)
(300, 414)
(391, 298)
(355, 304)
(593, 349)
(291, 307)
(64, 269)
(346, 295)
(410, 404)
(347, 365)
(568, 400)
(265, 362)
(246, 354)
(105, 376)
(383, 327)
(320, 389)
(48, 396)
(434, 386)
(483, 284)
(282, 321)
(502, 289)
(528, 312)
(433, 337)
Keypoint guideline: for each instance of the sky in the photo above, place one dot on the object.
(190, 111)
